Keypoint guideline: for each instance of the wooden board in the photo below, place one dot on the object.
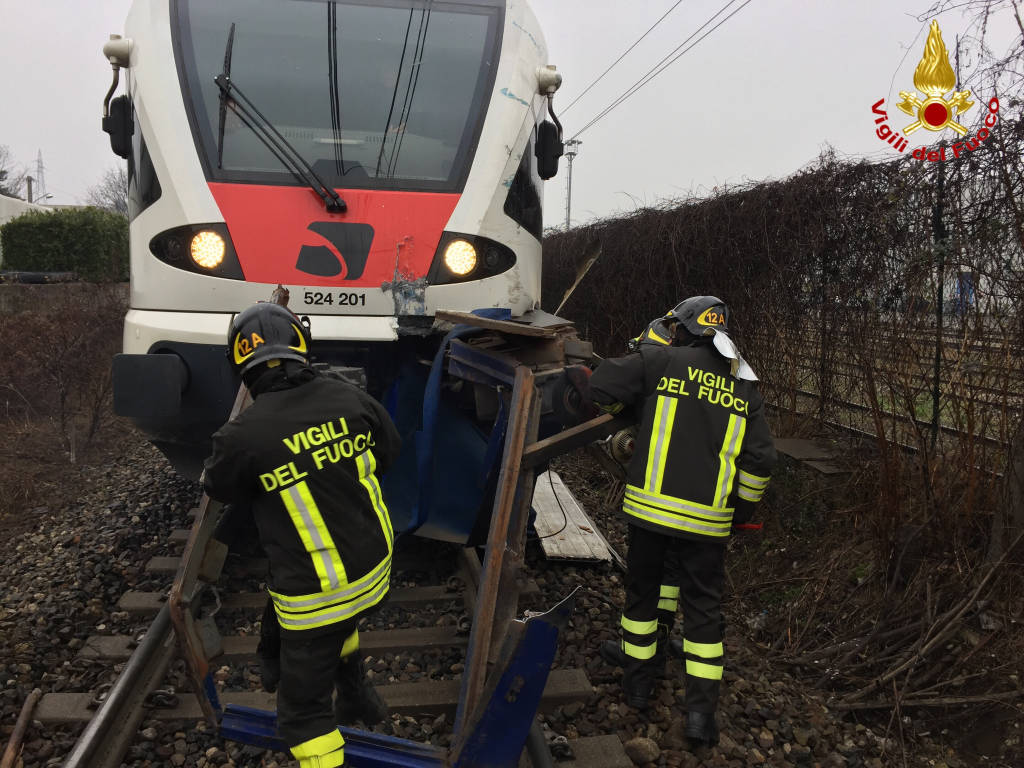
(802, 450)
(419, 698)
(566, 532)
(811, 453)
(504, 326)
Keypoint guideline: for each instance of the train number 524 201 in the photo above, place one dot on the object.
(342, 298)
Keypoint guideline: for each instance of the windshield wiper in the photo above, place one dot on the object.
(224, 97)
(232, 96)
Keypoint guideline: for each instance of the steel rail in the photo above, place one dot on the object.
(111, 731)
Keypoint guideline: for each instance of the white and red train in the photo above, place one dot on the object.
(382, 160)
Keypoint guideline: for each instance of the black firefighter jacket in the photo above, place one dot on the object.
(703, 448)
(306, 459)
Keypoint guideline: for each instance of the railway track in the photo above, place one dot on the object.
(444, 647)
(425, 626)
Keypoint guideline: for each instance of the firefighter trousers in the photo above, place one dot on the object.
(305, 710)
(701, 572)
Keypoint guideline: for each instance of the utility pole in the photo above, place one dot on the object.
(571, 150)
(40, 178)
(28, 184)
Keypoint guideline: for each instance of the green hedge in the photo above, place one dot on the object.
(90, 242)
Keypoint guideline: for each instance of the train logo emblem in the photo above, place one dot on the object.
(934, 77)
(342, 245)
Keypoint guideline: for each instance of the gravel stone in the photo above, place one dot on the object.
(642, 750)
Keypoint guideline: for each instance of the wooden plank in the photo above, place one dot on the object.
(242, 648)
(504, 326)
(802, 450)
(169, 565)
(163, 565)
(140, 603)
(178, 537)
(573, 438)
(426, 697)
(826, 467)
(565, 530)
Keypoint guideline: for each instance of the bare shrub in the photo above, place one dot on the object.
(56, 370)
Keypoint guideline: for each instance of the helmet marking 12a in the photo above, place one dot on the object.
(266, 331)
(702, 315)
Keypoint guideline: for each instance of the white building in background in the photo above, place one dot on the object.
(12, 208)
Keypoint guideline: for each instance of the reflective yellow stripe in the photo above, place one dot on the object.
(677, 522)
(350, 646)
(321, 599)
(704, 650)
(661, 436)
(754, 481)
(669, 591)
(700, 669)
(335, 613)
(667, 604)
(711, 518)
(330, 760)
(676, 505)
(640, 627)
(731, 444)
(315, 537)
(652, 335)
(748, 495)
(613, 409)
(321, 745)
(367, 465)
(640, 651)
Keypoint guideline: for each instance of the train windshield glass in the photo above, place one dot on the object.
(386, 96)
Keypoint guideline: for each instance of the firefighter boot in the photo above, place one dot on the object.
(357, 698)
(701, 729)
(638, 681)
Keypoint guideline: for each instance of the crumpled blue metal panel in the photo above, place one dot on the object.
(497, 734)
(363, 749)
(423, 494)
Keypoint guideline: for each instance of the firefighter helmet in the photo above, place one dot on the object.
(266, 331)
(702, 315)
(659, 332)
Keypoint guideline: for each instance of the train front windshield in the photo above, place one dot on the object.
(384, 96)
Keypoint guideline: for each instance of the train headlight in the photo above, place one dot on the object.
(464, 258)
(207, 249)
(460, 257)
(203, 248)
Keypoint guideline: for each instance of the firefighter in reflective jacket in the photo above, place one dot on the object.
(703, 460)
(305, 457)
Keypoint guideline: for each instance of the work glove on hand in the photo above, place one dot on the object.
(571, 399)
(742, 515)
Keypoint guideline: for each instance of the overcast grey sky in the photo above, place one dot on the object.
(759, 98)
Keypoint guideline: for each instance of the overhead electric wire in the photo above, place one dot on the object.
(333, 65)
(410, 89)
(394, 94)
(651, 73)
(634, 45)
